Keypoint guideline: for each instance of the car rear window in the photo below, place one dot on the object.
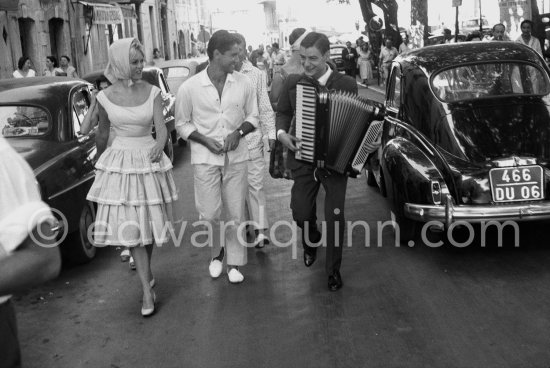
(490, 80)
(23, 121)
(336, 50)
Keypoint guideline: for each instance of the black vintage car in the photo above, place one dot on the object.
(466, 136)
(41, 118)
(336, 56)
(154, 76)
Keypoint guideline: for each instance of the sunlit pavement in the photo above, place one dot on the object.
(399, 307)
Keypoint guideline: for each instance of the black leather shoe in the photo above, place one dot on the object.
(335, 281)
(309, 258)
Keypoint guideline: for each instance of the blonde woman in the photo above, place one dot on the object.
(134, 187)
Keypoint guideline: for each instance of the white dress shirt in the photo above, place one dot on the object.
(533, 43)
(199, 108)
(267, 116)
(322, 81)
(21, 207)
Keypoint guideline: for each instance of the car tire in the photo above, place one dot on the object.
(80, 248)
(409, 230)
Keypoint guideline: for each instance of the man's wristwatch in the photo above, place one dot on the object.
(241, 132)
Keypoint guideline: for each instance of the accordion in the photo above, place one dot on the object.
(336, 129)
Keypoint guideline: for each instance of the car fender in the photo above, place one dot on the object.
(408, 169)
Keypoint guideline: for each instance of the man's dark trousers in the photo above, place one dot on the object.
(304, 206)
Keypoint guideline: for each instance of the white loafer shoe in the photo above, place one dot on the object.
(235, 276)
(215, 268)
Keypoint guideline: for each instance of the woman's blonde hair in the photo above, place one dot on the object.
(136, 47)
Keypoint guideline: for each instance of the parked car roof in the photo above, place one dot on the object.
(30, 90)
(437, 57)
(150, 74)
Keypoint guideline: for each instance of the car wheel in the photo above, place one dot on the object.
(371, 180)
(80, 248)
(409, 230)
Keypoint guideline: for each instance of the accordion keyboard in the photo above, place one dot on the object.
(306, 109)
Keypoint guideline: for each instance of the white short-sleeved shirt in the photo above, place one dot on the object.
(21, 207)
(200, 108)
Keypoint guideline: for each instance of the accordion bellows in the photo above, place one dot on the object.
(335, 128)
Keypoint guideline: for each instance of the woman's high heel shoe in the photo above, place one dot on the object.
(147, 312)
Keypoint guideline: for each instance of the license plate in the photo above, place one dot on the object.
(512, 184)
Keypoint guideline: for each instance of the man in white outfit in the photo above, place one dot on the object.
(215, 109)
(255, 198)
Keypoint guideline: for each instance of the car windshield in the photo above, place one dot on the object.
(23, 121)
(489, 80)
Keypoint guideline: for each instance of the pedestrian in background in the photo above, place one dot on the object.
(255, 199)
(277, 57)
(215, 109)
(262, 64)
(387, 54)
(28, 255)
(52, 68)
(499, 33)
(349, 54)
(134, 187)
(404, 47)
(292, 66)
(24, 68)
(364, 63)
(526, 37)
(157, 57)
(315, 54)
(65, 66)
(277, 159)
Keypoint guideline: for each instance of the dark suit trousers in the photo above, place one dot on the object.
(304, 206)
(351, 71)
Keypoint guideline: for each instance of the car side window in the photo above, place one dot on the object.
(394, 99)
(80, 102)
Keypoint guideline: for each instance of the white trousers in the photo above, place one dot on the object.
(255, 198)
(222, 189)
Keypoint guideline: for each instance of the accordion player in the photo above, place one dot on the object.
(336, 129)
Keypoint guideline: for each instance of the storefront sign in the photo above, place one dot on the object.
(9, 5)
(107, 15)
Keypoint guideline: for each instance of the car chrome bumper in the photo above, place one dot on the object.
(449, 212)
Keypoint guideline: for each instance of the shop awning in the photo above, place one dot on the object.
(105, 13)
(9, 5)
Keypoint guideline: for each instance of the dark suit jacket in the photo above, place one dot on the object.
(350, 63)
(286, 105)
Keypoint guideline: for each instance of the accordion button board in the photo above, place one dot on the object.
(336, 129)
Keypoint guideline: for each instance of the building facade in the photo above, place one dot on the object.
(84, 29)
(34, 28)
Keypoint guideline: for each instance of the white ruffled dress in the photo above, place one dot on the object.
(134, 195)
